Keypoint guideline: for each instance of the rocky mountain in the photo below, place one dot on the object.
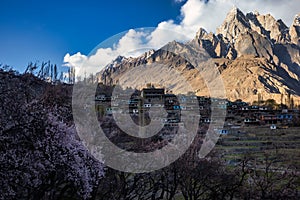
(295, 30)
(256, 55)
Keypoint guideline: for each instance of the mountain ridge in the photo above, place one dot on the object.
(255, 54)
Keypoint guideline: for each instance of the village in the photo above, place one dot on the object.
(257, 129)
(238, 113)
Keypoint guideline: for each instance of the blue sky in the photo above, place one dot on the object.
(35, 30)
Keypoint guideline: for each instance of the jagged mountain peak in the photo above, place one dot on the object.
(295, 30)
(266, 25)
(115, 62)
(235, 15)
(235, 11)
(237, 23)
(296, 21)
(149, 53)
(254, 52)
(200, 33)
(234, 24)
(119, 59)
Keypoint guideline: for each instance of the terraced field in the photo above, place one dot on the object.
(281, 145)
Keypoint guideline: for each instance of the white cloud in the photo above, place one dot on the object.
(132, 41)
(75, 60)
(194, 14)
(128, 45)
